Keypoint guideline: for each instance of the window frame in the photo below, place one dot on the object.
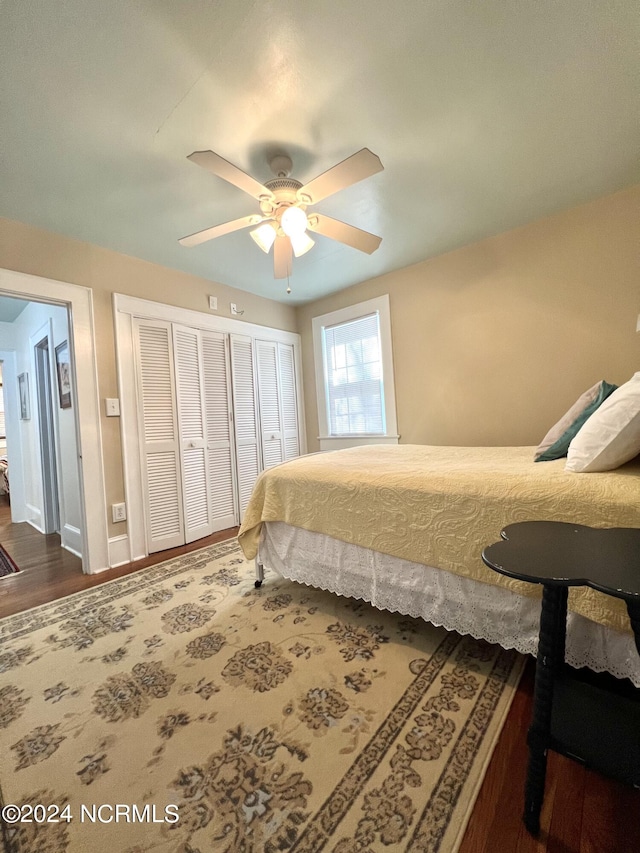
(379, 305)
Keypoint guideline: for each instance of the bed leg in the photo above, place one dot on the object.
(259, 574)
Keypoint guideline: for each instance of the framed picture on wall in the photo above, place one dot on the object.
(23, 393)
(64, 374)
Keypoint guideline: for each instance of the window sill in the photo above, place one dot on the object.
(340, 442)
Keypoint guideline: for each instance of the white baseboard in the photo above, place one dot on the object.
(34, 517)
(119, 550)
(71, 539)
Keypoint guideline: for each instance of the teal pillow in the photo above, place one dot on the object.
(556, 442)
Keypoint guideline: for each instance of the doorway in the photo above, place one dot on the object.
(85, 410)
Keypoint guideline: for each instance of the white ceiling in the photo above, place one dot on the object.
(486, 114)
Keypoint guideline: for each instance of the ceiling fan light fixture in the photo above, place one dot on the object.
(283, 222)
(301, 243)
(264, 236)
(294, 221)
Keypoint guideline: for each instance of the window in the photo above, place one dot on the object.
(353, 377)
(354, 374)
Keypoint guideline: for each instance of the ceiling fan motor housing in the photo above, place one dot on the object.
(285, 192)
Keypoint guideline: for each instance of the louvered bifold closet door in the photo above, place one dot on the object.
(271, 432)
(245, 415)
(288, 401)
(187, 347)
(219, 431)
(158, 435)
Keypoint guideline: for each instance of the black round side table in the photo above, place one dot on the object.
(559, 555)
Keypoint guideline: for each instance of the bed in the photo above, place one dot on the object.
(403, 527)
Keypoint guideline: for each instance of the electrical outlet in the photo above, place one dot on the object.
(234, 307)
(213, 303)
(119, 512)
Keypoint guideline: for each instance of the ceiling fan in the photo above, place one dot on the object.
(283, 221)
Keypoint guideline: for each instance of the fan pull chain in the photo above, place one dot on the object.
(288, 285)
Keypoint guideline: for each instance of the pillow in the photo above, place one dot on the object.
(611, 436)
(556, 442)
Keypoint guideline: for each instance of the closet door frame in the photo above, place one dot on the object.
(132, 545)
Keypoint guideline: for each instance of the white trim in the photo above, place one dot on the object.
(147, 309)
(71, 539)
(119, 550)
(45, 332)
(302, 423)
(34, 516)
(85, 402)
(131, 457)
(340, 442)
(352, 312)
(125, 308)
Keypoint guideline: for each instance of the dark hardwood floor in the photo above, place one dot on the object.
(49, 572)
(583, 811)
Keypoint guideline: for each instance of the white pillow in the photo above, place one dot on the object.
(611, 436)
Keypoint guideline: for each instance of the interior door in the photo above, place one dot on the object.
(194, 453)
(245, 414)
(219, 431)
(161, 475)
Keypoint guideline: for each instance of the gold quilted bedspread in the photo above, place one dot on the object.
(441, 506)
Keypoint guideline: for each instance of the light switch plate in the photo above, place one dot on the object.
(213, 303)
(112, 407)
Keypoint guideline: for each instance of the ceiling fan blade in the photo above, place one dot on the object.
(227, 171)
(356, 168)
(348, 234)
(220, 230)
(282, 256)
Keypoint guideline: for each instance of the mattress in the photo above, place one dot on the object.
(440, 506)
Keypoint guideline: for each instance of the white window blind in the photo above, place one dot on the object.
(353, 377)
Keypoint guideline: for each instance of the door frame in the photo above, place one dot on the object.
(42, 344)
(85, 401)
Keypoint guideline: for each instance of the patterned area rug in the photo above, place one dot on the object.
(7, 566)
(180, 710)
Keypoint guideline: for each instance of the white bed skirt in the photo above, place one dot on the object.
(458, 604)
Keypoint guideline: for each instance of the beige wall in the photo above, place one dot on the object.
(493, 342)
(42, 253)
